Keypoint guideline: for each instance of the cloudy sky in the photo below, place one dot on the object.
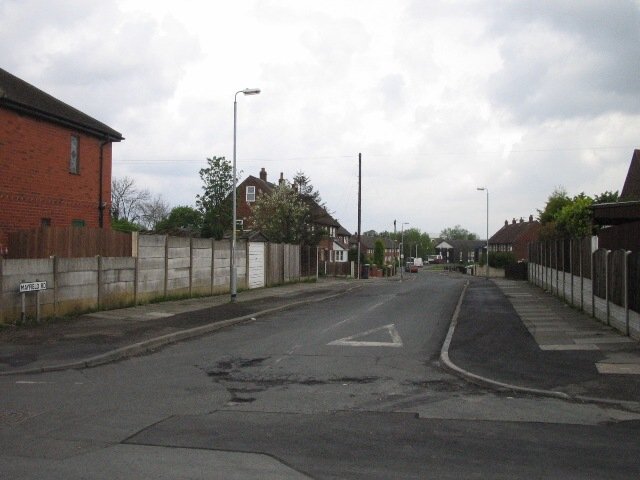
(440, 97)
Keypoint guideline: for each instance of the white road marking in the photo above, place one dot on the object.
(396, 341)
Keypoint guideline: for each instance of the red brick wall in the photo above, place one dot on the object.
(35, 181)
(243, 211)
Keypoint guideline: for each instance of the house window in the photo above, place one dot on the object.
(240, 225)
(74, 156)
(77, 222)
(45, 222)
(251, 193)
(339, 255)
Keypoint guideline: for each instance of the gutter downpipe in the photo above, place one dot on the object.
(101, 204)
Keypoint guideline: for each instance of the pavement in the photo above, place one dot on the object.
(506, 334)
(512, 335)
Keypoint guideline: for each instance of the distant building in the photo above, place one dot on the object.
(55, 162)
(368, 244)
(460, 251)
(515, 237)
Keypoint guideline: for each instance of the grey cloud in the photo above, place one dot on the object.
(589, 68)
(91, 58)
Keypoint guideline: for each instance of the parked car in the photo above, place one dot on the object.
(410, 267)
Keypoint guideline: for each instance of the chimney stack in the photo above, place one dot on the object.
(281, 181)
(263, 175)
(531, 218)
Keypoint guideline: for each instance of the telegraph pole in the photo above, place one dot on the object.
(359, 207)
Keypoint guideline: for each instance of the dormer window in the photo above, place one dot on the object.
(251, 193)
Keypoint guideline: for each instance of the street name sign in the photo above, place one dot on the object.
(32, 286)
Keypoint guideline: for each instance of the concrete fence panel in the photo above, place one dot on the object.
(161, 266)
(201, 266)
(76, 285)
(222, 266)
(152, 261)
(117, 282)
(15, 272)
(178, 266)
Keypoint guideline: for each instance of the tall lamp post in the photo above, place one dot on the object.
(234, 269)
(402, 251)
(487, 190)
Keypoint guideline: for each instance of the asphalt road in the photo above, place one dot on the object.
(349, 388)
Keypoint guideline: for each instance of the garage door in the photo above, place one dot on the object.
(256, 264)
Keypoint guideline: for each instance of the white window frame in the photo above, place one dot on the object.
(74, 155)
(251, 193)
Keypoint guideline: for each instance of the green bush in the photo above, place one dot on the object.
(501, 259)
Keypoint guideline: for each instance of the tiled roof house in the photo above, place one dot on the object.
(55, 161)
(515, 237)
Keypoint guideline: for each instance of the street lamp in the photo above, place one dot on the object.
(402, 251)
(487, 190)
(232, 264)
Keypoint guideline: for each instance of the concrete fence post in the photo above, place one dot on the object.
(100, 279)
(606, 283)
(213, 263)
(564, 276)
(593, 285)
(190, 267)
(54, 258)
(555, 249)
(580, 266)
(136, 276)
(166, 265)
(571, 270)
(545, 270)
(626, 292)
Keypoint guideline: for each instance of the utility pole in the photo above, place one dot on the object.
(359, 207)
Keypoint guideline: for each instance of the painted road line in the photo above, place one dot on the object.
(351, 341)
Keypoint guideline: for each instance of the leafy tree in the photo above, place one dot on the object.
(556, 201)
(378, 253)
(413, 238)
(574, 219)
(127, 199)
(181, 220)
(215, 203)
(124, 225)
(457, 233)
(284, 217)
(607, 197)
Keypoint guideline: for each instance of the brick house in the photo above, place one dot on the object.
(250, 189)
(368, 246)
(515, 237)
(55, 162)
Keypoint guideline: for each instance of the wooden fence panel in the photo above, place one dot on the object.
(634, 281)
(617, 266)
(69, 242)
(599, 273)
